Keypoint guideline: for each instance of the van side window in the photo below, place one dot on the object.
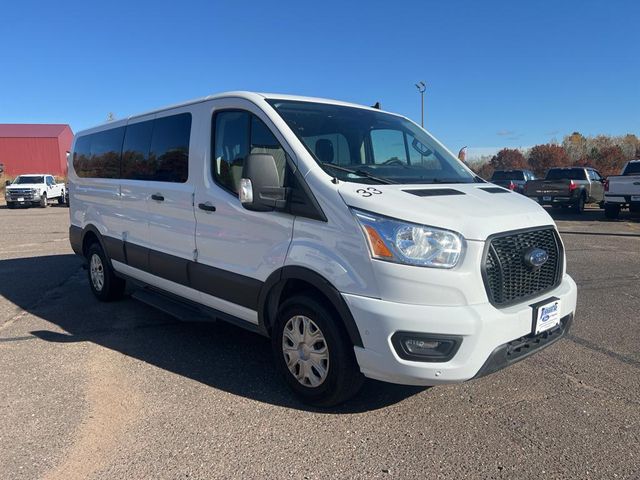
(97, 155)
(231, 144)
(135, 151)
(169, 153)
(236, 135)
(263, 141)
(157, 150)
(82, 156)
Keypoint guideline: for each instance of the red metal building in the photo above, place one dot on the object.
(34, 148)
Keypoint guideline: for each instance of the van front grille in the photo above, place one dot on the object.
(507, 276)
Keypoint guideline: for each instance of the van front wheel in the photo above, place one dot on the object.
(314, 353)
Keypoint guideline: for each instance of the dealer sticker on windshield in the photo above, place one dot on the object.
(546, 315)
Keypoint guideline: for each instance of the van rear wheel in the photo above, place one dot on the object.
(104, 283)
(314, 354)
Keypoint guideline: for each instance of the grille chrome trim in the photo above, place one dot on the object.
(27, 193)
(521, 283)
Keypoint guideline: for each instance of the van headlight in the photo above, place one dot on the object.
(402, 242)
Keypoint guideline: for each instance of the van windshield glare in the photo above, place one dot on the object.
(370, 146)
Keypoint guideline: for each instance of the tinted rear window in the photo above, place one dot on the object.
(98, 155)
(156, 150)
(169, 153)
(632, 169)
(135, 151)
(507, 175)
(566, 174)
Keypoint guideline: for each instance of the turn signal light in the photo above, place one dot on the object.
(606, 185)
(378, 248)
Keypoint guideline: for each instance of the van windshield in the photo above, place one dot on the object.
(365, 146)
(24, 179)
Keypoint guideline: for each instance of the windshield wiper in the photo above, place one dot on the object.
(441, 180)
(360, 173)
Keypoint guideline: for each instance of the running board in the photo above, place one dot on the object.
(175, 308)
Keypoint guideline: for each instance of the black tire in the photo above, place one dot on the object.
(112, 286)
(43, 201)
(611, 211)
(11, 205)
(579, 206)
(61, 199)
(343, 378)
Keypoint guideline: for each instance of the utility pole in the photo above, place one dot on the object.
(421, 86)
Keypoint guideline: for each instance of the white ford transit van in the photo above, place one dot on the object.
(350, 236)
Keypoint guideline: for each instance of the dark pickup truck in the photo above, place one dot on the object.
(568, 187)
(512, 179)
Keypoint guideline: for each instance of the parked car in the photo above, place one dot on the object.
(512, 179)
(568, 187)
(623, 191)
(348, 235)
(34, 189)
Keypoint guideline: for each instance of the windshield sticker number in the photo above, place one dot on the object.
(367, 192)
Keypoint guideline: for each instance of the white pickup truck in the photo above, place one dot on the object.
(34, 189)
(623, 190)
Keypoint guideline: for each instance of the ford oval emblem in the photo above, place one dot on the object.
(535, 257)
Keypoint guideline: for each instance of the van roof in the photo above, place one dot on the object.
(251, 96)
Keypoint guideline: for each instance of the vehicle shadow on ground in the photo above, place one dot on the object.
(32, 207)
(217, 354)
(591, 215)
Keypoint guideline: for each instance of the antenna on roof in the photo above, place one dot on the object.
(377, 106)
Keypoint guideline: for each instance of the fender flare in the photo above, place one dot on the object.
(77, 237)
(269, 298)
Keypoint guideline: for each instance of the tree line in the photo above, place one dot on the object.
(605, 153)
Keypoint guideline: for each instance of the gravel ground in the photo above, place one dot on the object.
(104, 391)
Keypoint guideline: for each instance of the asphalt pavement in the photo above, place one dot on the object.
(110, 391)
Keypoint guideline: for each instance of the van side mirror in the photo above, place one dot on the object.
(260, 188)
(7, 183)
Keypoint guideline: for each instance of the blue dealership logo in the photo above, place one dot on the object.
(546, 312)
(536, 257)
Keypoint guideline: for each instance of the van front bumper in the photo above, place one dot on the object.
(491, 338)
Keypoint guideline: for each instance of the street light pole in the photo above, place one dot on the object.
(421, 86)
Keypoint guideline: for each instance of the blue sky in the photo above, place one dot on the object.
(499, 73)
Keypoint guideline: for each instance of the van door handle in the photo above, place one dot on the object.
(158, 197)
(207, 207)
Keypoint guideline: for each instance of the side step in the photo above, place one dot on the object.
(175, 308)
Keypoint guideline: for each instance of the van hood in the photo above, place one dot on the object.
(475, 210)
